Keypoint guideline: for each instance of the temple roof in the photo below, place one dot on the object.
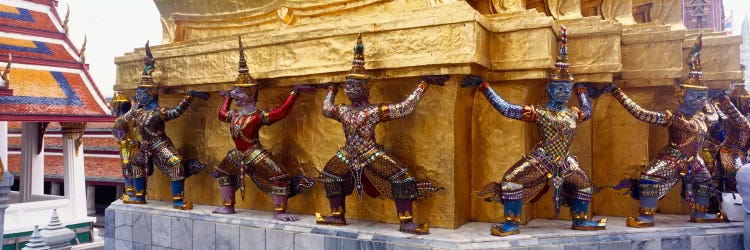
(49, 78)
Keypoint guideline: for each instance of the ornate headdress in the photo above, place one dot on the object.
(119, 101)
(244, 80)
(695, 75)
(147, 81)
(561, 72)
(740, 96)
(358, 63)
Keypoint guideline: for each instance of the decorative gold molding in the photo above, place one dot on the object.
(181, 25)
(75, 131)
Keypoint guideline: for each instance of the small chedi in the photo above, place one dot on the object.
(453, 136)
(249, 156)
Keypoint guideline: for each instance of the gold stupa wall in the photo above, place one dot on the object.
(454, 137)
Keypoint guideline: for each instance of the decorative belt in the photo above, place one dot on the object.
(357, 164)
(249, 156)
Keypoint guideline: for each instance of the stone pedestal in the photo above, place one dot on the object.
(157, 225)
(5, 184)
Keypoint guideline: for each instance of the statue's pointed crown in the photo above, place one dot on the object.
(244, 79)
(358, 63)
(147, 81)
(695, 75)
(562, 65)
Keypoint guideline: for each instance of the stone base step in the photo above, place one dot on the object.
(156, 225)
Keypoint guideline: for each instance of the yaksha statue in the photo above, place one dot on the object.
(127, 140)
(249, 156)
(361, 163)
(687, 134)
(733, 152)
(550, 158)
(155, 147)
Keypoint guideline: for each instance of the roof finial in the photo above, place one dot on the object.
(65, 21)
(82, 52)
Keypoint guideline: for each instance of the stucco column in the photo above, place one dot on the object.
(32, 161)
(75, 178)
(90, 204)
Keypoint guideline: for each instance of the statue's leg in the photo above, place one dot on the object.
(226, 173)
(703, 189)
(274, 180)
(127, 176)
(581, 198)
(138, 172)
(386, 174)
(338, 183)
(731, 163)
(169, 162)
(656, 179)
(522, 181)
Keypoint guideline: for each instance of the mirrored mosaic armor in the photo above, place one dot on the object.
(733, 152)
(249, 157)
(155, 148)
(362, 164)
(550, 159)
(681, 158)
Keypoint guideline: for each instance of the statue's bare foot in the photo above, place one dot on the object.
(224, 210)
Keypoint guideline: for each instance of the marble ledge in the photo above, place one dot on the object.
(251, 229)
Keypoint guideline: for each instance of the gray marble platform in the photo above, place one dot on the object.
(158, 226)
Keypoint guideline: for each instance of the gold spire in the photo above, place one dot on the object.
(244, 79)
(147, 81)
(358, 63)
(561, 72)
(695, 75)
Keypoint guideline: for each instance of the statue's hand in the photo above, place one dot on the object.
(436, 79)
(608, 88)
(715, 93)
(305, 88)
(472, 81)
(591, 90)
(197, 94)
(224, 93)
(331, 86)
